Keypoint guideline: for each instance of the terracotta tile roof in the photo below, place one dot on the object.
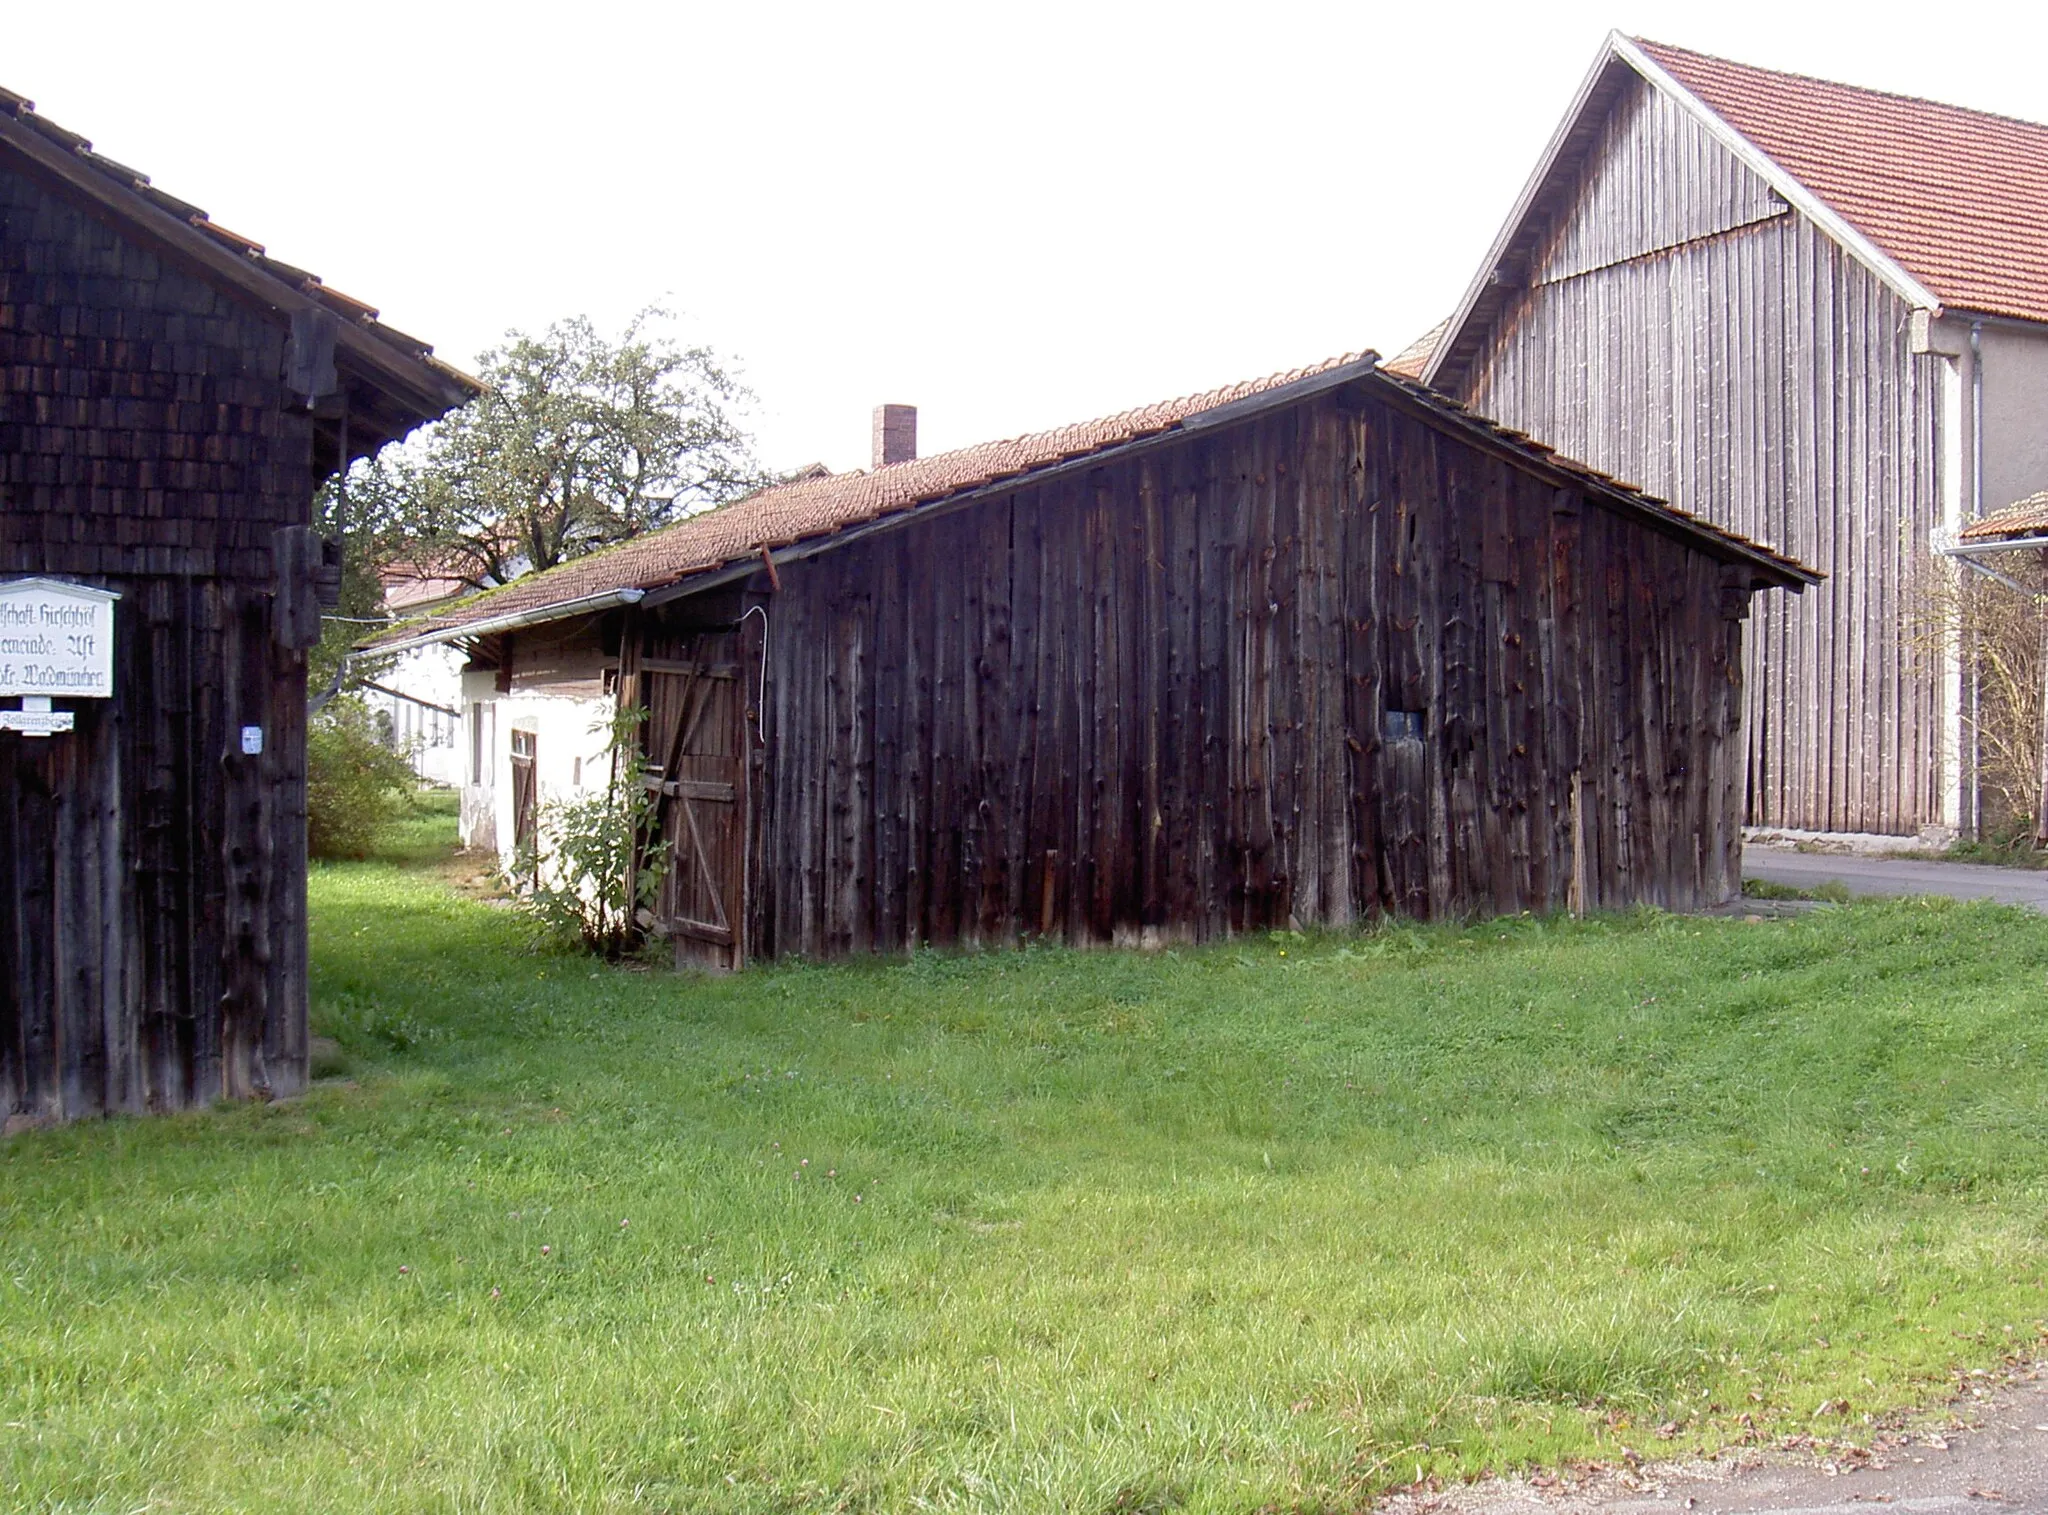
(1411, 360)
(2026, 518)
(168, 214)
(1958, 198)
(822, 505)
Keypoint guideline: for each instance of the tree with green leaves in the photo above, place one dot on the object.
(576, 443)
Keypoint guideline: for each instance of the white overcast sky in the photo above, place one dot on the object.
(1010, 216)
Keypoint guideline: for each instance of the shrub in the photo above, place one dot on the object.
(355, 784)
(1997, 627)
(593, 878)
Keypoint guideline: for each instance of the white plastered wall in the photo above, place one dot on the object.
(2015, 411)
(1994, 427)
(572, 742)
(432, 675)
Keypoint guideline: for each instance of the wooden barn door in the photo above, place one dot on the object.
(526, 793)
(696, 752)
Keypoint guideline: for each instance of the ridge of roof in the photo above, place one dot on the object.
(1659, 50)
(781, 514)
(171, 217)
(1947, 204)
(809, 509)
(1954, 197)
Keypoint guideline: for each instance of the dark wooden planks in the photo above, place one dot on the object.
(1322, 665)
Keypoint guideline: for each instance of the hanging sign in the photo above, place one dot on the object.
(56, 639)
(36, 718)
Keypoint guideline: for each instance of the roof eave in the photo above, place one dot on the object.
(1770, 568)
(1532, 191)
(1802, 199)
(511, 620)
(1624, 51)
(711, 576)
(1774, 569)
(420, 383)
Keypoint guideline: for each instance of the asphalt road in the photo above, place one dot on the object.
(1893, 875)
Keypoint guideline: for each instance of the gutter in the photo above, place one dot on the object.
(558, 611)
(1966, 553)
(1952, 547)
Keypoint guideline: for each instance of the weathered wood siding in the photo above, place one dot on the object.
(152, 930)
(1683, 331)
(1330, 663)
(1648, 139)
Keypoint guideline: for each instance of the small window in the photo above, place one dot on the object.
(1404, 726)
(576, 773)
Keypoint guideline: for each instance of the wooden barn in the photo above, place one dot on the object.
(1303, 650)
(1816, 315)
(172, 399)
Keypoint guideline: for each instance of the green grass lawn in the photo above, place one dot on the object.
(1271, 1224)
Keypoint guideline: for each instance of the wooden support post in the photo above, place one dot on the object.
(1576, 898)
(297, 559)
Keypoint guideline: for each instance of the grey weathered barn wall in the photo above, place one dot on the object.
(152, 929)
(1719, 350)
(1332, 662)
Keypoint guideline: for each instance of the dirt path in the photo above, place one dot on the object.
(1991, 1455)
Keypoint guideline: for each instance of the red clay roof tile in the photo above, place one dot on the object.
(1956, 197)
(816, 505)
(1413, 360)
(2025, 518)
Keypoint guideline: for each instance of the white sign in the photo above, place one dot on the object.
(252, 740)
(56, 639)
(37, 722)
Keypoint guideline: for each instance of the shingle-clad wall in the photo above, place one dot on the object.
(152, 870)
(142, 429)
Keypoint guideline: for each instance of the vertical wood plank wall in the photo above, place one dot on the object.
(1157, 698)
(152, 875)
(1743, 366)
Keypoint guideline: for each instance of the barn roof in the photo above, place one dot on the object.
(1411, 360)
(812, 511)
(1957, 197)
(399, 381)
(1947, 205)
(2023, 518)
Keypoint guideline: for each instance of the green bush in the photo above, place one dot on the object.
(355, 785)
(592, 882)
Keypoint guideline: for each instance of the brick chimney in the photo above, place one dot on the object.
(895, 434)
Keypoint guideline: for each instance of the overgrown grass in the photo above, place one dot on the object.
(423, 831)
(1831, 891)
(2011, 846)
(1274, 1223)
